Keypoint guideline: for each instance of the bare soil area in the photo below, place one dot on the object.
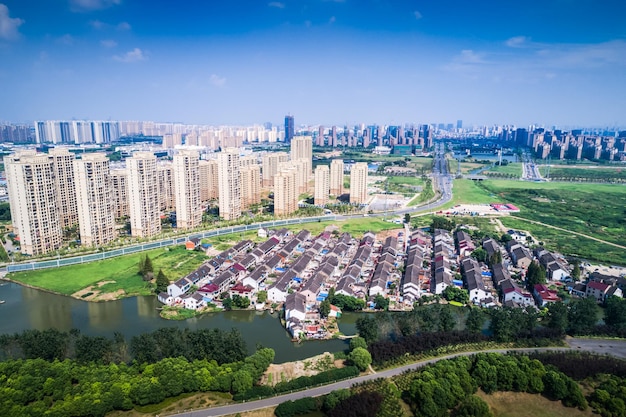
(290, 370)
(92, 293)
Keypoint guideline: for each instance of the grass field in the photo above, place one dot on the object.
(466, 167)
(518, 404)
(590, 173)
(513, 168)
(470, 192)
(356, 227)
(175, 262)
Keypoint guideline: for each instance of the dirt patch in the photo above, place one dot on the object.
(290, 370)
(264, 412)
(91, 293)
(541, 200)
(386, 233)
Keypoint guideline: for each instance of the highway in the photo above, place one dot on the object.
(603, 346)
(530, 171)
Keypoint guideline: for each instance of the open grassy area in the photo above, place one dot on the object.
(513, 168)
(470, 192)
(175, 262)
(519, 404)
(466, 167)
(596, 210)
(590, 173)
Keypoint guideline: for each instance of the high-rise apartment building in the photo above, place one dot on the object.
(143, 194)
(187, 189)
(167, 187)
(320, 136)
(336, 177)
(302, 148)
(322, 185)
(94, 195)
(209, 186)
(31, 184)
(119, 186)
(333, 136)
(65, 185)
(285, 192)
(358, 183)
(250, 185)
(289, 128)
(270, 163)
(229, 179)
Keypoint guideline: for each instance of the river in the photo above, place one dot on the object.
(27, 308)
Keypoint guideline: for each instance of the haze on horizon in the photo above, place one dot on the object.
(552, 62)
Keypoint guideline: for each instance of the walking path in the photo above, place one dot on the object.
(570, 231)
(604, 346)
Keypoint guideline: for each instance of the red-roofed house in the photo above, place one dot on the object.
(544, 296)
(241, 290)
(597, 290)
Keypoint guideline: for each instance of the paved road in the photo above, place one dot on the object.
(602, 346)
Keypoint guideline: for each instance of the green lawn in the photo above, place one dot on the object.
(356, 227)
(513, 168)
(519, 404)
(466, 167)
(470, 192)
(175, 262)
(586, 174)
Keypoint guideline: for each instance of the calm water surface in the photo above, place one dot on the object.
(27, 308)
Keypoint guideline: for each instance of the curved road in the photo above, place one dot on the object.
(602, 346)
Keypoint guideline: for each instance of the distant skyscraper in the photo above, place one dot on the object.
(358, 183)
(229, 179)
(333, 137)
(187, 189)
(320, 136)
(33, 201)
(94, 195)
(336, 177)
(289, 128)
(459, 124)
(322, 185)
(143, 195)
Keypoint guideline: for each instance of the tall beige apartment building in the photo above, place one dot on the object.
(143, 194)
(167, 192)
(119, 185)
(32, 189)
(358, 183)
(65, 185)
(250, 186)
(322, 185)
(336, 177)
(229, 181)
(187, 189)
(302, 148)
(246, 161)
(285, 192)
(94, 195)
(209, 184)
(270, 163)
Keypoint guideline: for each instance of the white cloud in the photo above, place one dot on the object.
(468, 56)
(9, 25)
(66, 39)
(123, 26)
(517, 41)
(217, 81)
(417, 15)
(135, 55)
(97, 24)
(332, 20)
(108, 43)
(91, 5)
(276, 4)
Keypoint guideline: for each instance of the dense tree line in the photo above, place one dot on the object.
(36, 387)
(582, 365)
(167, 342)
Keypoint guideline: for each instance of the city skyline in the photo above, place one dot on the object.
(558, 62)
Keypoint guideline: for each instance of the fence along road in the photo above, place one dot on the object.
(29, 266)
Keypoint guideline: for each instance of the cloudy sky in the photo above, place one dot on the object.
(552, 62)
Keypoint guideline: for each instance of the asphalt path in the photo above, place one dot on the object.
(611, 347)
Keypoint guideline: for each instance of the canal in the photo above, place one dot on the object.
(28, 308)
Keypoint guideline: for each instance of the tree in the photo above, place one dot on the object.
(356, 342)
(576, 271)
(381, 302)
(161, 282)
(261, 296)
(615, 312)
(475, 320)
(453, 293)
(227, 303)
(536, 274)
(407, 218)
(147, 266)
(360, 358)
(505, 238)
(557, 317)
(582, 315)
(325, 308)
(480, 254)
(446, 319)
(367, 328)
(473, 406)
(496, 258)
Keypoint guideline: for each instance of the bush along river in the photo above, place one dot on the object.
(28, 308)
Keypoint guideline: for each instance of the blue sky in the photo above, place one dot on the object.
(552, 62)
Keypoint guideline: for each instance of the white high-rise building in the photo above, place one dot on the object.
(143, 195)
(119, 184)
(302, 148)
(96, 207)
(285, 192)
(32, 189)
(322, 185)
(167, 195)
(229, 180)
(358, 183)
(270, 163)
(250, 185)
(336, 177)
(209, 185)
(187, 189)
(66, 186)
